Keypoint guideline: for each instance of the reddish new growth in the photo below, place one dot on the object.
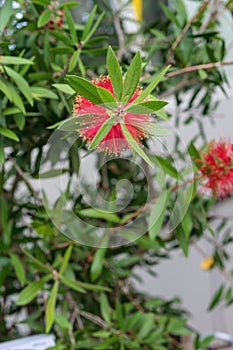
(115, 141)
(216, 167)
(57, 18)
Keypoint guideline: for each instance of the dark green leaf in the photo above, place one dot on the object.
(50, 308)
(132, 77)
(151, 86)
(102, 132)
(135, 145)
(114, 71)
(97, 263)
(157, 215)
(146, 107)
(84, 88)
(31, 291)
(19, 268)
(44, 18)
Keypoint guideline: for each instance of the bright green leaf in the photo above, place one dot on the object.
(44, 18)
(8, 133)
(132, 77)
(114, 71)
(157, 215)
(50, 308)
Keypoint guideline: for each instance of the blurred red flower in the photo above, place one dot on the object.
(216, 167)
(115, 141)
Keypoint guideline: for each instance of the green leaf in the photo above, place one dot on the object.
(5, 14)
(20, 121)
(21, 83)
(187, 224)
(81, 286)
(94, 27)
(71, 26)
(88, 24)
(16, 99)
(216, 299)
(97, 263)
(157, 215)
(73, 285)
(105, 308)
(135, 145)
(62, 321)
(182, 239)
(84, 88)
(2, 153)
(102, 132)
(155, 129)
(107, 97)
(14, 60)
(64, 88)
(50, 309)
(44, 18)
(29, 293)
(5, 89)
(73, 61)
(146, 107)
(69, 4)
(8, 133)
(100, 214)
(151, 86)
(114, 71)
(39, 92)
(19, 268)
(65, 260)
(132, 77)
(195, 155)
(167, 167)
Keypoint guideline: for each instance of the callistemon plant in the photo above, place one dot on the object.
(113, 112)
(216, 168)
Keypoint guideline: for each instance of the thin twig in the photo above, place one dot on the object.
(185, 29)
(199, 66)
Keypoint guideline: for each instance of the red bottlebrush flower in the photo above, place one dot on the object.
(115, 141)
(216, 167)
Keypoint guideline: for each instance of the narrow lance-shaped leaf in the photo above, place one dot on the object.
(50, 309)
(29, 293)
(44, 18)
(21, 83)
(95, 26)
(88, 24)
(114, 71)
(103, 131)
(135, 145)
(151, 86)
(146, 107)
(157, 215)
(8, 133)
(19, 268)
(84, 88)
(66, 259)
(132, 77)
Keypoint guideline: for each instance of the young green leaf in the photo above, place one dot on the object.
(21, 83)
(5, 14)
(64, 88)
(100, 214)
(19, 268)
(151, 86)
(65, 260)
(72, 284)
(97, 263)
(84, 88)
(135, 145)
(29, 293)
(93, 29)
(102, 132)
(114, 71)
(44, 18)
(9, 133)
(146, 107)
(132, 77)
(71, 26)
(105, 308)
(88, 24)
(14, 60)
(50, 309)
(107, 97)
(157, 215)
